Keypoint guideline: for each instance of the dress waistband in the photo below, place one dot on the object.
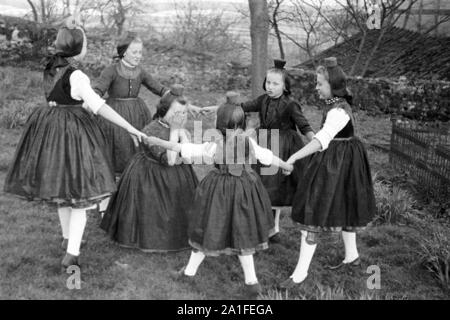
(124, 99)
(55, 104)
(344, 139)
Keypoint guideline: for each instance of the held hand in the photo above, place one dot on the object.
(194, 111)
(209, 149)
(291, 160)
(136, 135)
(287, 171)
(208, 110)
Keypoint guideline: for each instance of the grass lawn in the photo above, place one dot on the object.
(30, 252)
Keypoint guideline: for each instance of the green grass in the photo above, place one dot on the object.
(30, 252)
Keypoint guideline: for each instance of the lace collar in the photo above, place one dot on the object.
(333, 100)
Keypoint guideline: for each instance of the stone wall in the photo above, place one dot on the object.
(416, 99)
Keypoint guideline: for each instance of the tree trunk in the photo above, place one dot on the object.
(405, 22)
(277, 30)
(120, 17)
(43, 15)
(360, 51)
(280, 41)
(436, 16)
(419, 24)
(259, 33)
(33, 8)
(372, 53)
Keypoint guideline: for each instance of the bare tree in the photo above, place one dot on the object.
(205, 33)
(275, 17)
(114, 13)
(33, 9)
(50, 12)
(259, 33)
(389, 15)
(309, 22)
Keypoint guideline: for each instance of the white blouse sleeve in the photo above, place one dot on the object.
(265, 156)
(81, 90)
(190, 150)
(336, 120)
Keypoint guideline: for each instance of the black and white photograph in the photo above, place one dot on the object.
(249, 153)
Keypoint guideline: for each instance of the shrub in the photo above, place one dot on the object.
(204, 32)
(15, 115)
(392, 202)
(434, 252)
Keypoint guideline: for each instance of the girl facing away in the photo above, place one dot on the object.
(280, 117)
(231, 212)
(61, 156)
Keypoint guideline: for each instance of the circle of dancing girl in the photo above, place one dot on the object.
(335, 192)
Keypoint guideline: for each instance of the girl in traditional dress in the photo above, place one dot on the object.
(61, 156)
(150, 209)
(122, 81)
(336, 191)
(280, 115)
(231, 213)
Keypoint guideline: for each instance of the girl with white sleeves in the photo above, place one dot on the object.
(231, 212)
(335, 193)
(61, 156)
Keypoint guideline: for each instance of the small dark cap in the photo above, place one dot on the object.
(279, 64)
(177, 90)
(233, 97)
(331, 62)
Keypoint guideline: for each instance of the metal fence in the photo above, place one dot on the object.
(423, 150)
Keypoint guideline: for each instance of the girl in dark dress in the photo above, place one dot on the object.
(122, 81)
(61, 157)
(280, 117)
(231, 213)
(336, 191)
(150, 209)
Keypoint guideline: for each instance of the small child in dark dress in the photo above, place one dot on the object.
(231, 212)
(280, 116)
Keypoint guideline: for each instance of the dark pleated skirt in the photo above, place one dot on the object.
(121, 146)
(61, 158)
(336, 190)
(231, 214)
(281, 188)
(149, 211)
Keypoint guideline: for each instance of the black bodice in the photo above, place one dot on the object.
(61, 90)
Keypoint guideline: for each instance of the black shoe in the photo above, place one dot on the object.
(354, 263)
(290, 284)
(179, 275)
(69, 260)
(275, 238)
(253, 290)
(65, 243)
